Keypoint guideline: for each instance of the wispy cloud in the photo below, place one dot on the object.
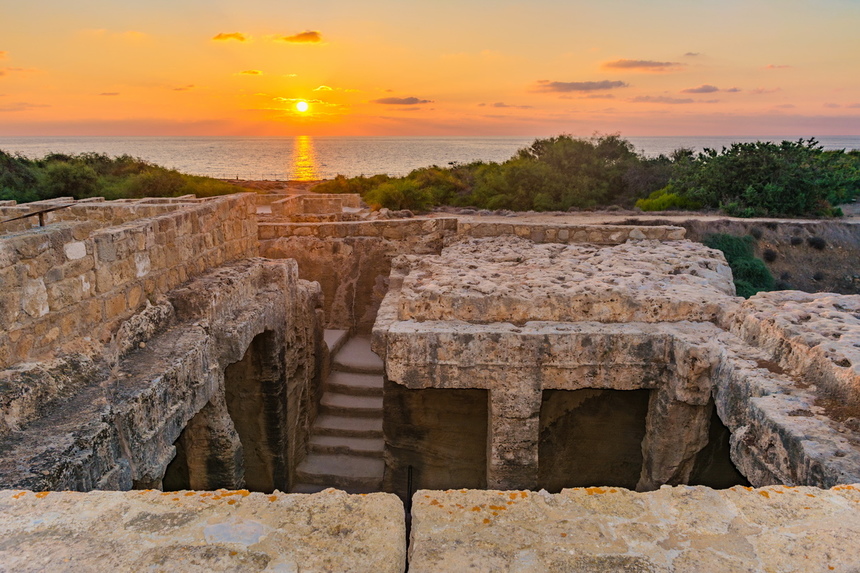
(184, 88)
(502, 104)
(21, 106)
(4, 71)
(401, 101)
(597, 96)
(323, 89)
(702, 89)
(662, 99)
(853, 105)
(307, 37)
(564, 87)
(224, 36)
(642, 65)
(250, 73)
(777, 67)
(732, 90)
(692, 54)
(832, 105)
(128, 35)
(3, 55)
(760, 91)
(786, 106)
(109, 94)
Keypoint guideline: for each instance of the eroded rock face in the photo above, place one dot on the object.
(674, 529)
(118, 428)
(201, 531)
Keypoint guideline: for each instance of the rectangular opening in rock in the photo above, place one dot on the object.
(440, 433)
(257, 403)
(713, 466)
(591, 437)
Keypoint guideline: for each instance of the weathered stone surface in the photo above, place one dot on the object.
(507, 279)
(201, 532)
(816, 334)
(672, 530)
(117, 427)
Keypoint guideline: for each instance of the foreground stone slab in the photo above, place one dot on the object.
(674, 529)
(200, 531)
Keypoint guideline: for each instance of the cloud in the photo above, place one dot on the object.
(853, 105)
(21, 106)
(307, 37)
(733, 90)
(692, 54)
(503, 104)
(224, 36)
(647, 65)
(4, 71)
(597, 96)
(759, 91)
(786, 106)
(250, 73)
(184, 88)
(832, 105)
(702, 89)
(564, 87)
(109, 94)
(3, 55)
(661, 99)
(777, 67)
(401, 101)
(323, 89)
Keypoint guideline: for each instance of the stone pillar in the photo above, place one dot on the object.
(212, 448)
(674, 433)
(512, 438)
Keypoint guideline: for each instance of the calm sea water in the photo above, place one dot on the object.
(306, 157)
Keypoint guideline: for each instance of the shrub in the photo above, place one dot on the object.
(817, 243)
(400, 194)
(664, 200)
(750, 273)
(769, 255)
(65, 179)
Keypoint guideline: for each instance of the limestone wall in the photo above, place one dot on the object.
(352, 260)
(69, 284)
(563, 233)
(116, 426)
(315, 203)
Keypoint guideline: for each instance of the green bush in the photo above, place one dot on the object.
(666, 199)
(69, 179)
(750, 273)
(400, 194)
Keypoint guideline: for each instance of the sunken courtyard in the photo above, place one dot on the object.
(295, 383)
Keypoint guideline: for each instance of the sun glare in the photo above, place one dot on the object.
(302, 106)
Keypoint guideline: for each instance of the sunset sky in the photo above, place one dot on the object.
(441, 67)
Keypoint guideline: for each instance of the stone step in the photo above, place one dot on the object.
(368, 447)
(341, 471)
(332, 425)
(308, 488)
(354, 383)
(356, 356)
(335, 339)
(349, 405)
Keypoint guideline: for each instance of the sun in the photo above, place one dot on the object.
(302, 106)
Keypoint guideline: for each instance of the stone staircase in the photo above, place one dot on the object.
(346, 445)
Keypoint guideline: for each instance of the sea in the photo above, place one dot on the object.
(308, 158)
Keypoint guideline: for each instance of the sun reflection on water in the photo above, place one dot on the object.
(303, 166)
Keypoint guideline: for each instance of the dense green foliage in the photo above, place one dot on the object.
(553, 174)
(97, 175)
(762, 178)
(560, 173)
(750, 273)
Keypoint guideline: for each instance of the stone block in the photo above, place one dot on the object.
(613, 529)
(206, 531)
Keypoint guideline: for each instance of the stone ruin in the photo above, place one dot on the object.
(177, 374)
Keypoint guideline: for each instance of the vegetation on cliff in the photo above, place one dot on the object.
(563, 172)
(97, 175)
(750, 273)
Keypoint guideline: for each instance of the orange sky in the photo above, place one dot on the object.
(386, 67)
